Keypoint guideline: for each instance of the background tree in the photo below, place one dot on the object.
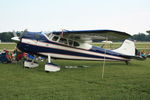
(140, 37)
(6, 36)
(148, 32)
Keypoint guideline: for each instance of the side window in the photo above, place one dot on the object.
(73, 43)
(70, 42)
(62, 40)
(76, 43)
(55, 38)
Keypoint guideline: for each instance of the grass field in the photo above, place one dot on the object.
(7, 46)
(121, 81)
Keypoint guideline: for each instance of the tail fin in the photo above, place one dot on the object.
(127, 48)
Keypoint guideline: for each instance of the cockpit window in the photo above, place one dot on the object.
(49, 35)
(55, 38)
(63, 40)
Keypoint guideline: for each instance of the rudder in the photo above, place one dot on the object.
(127, 48)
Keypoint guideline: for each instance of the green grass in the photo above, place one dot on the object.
(7, 46)
(121, 82)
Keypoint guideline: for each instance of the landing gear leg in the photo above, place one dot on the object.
(50, 67)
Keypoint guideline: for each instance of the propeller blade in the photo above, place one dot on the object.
(14, 33)
(22, 33)
(15, 39)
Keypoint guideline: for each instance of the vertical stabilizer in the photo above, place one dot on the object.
(127, 48)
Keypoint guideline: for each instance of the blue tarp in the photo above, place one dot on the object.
(30, 56)
(3, 57)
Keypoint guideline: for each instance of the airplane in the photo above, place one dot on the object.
(74, 45)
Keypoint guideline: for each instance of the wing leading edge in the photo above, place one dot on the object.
(88, 35)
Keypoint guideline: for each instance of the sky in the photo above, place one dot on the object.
(131, 16)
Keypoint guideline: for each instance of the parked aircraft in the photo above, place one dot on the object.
(74, 45)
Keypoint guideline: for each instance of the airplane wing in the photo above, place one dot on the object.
(89, 35)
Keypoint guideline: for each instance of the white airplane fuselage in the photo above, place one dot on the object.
(37, 43)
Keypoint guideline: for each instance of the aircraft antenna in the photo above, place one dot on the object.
(62, 33)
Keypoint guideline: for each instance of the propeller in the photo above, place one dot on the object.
(17, 38)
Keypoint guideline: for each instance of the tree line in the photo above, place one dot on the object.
(141, 37)
(6, 36)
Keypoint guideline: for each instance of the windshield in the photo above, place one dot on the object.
(48, 34)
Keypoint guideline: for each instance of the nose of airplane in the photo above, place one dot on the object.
(16, 38)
